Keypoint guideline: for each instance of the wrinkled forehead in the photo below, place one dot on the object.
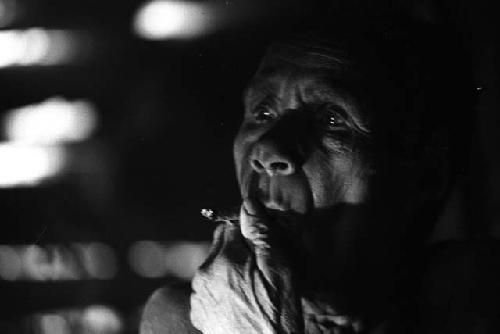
(308, 64)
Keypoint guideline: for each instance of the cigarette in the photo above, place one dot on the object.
(230, 215)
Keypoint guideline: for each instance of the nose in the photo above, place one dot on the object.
(268, 159)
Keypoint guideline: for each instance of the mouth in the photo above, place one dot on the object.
(274, 205)
(280, 193)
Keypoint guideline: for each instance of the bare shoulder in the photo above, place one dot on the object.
(167, 311)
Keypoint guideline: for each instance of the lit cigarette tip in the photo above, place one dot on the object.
(208, 213)
(230, 215)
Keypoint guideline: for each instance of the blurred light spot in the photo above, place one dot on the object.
(173, 19)
(99, 260)
(28, 165)
(51, 121)
(53, 324)
(183, 259)
(37, 46)
(101, 319)
(61, 264)
(147, 259)
(50, 263)
(94, 319)
(35, 262)
(57, 262)
(8, 11)
(10, 263)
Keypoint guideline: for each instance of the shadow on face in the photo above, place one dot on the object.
(314, 150)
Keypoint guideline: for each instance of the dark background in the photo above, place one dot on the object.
(168, 111)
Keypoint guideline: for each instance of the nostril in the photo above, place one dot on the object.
(257, 165)
(279, 166)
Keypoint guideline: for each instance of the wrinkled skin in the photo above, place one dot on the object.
(305, 171)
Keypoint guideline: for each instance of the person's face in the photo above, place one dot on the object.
(303, 143)
(304, 150)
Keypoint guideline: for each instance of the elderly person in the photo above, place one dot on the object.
(349, 169)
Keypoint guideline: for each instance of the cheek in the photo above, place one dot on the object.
(241, 150)
(238, 152)
(336, 177)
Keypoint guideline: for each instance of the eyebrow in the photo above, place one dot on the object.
(257, 86)
(325, 86)
(345, 100)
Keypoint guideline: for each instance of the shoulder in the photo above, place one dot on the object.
(167, 311)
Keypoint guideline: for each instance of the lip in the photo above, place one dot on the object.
(268, 193)
(279, 194)
(274, 205)
(250, 187)
(257, 187)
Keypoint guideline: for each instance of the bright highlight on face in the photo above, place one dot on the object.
(302, 142)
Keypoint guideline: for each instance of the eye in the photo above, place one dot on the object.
(333, 121)
(264, 114)
(332, 118)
